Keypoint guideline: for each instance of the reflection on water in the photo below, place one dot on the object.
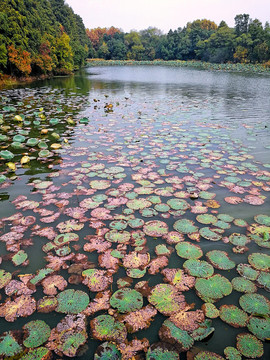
(138, 144)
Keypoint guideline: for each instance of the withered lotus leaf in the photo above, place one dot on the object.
(52, 283)
(17, 288)
(129, 349)
(156, 264)
(100, 302)
(178, 278)
(167, 299)
(203, 331)
(96, 280)
(170, 333)
(126, 300)
(105, 327)
(36, 333)
(140, 319)
(114, 236)
(47, 304)
(106, 260)
(22, 306)
(208, 355)
(9, 345)
(155, 228)
(136, 260)
(188, 320)
(72, 301)
(233, 316)
(5, 278)
(107, 350)
(161, 351)
(68, 335)
(63, 239)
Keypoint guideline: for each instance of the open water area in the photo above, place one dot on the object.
(135, 212)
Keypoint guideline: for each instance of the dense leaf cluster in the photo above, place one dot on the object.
(40, 37)
(247, 42)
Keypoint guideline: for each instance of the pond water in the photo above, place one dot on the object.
(157, 179)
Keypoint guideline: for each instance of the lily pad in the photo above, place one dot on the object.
(96, 280)
(260, 327)
(239, 239)
(259, 261)
(262, 219)
(213, 288)
(255, 304)
(246, 271)
(198, 268)
(6, 155)
(5, 278)
(249, 345)
(208, 355)
(160, 351)
(126, 300)
(188, 250)
(220, 260)
(40, 353)
(37, 333)
(105, 327)
(209, 234)
(233, 316)
(185, 226)
(72, 301)
(232, 353)
(155, 228)
(172, 334)
(32, 142)
(106, 351)
(243, 285)
(210, 310)
(9, 345)
(263, 280)
(204, 330)
(63, 239)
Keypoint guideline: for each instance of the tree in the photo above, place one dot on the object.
(241, 24)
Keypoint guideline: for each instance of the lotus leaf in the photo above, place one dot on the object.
(22, 306)
(96, 280)
(126, 300)
(19, 138)
(72, 301)
(42, 273)
(233, 316)
(178, 204)
(40, 353)
(188, 250)
(243, 285)
(232, 353)
(37, 333)
(249, 345)
(47, 304)
(213, 288)
(225, 217)
(210, 310)
(179, 279)
(32, 142)
(155, 228)
(162, 250)
(198, 268)
(136, 273)
(188, 320)
(220, 260)
(209, 234)
(140, 319)
(19, 258)
(9, 345)
(259, 261)
(255, 304)
(167, 299)
(115, 236)
(107, 351)
(263, 280)
(185, 226)
(172, 334)
(5, 278)
(246, 271)
(6, 155)
(100, 184)
(207, 355)
(105, 327)
(239, 239)
(160, 351)
(136, 260)
(260, 327)
(63, 239)
(203, 331)
(206, 219)
(262, 219)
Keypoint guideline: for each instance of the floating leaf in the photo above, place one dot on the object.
(243, 285)
(22, 306)
(198, 268)
(210, 310)
(140, 319)
(5, 278)
(40, 353)
(255, 304)
(126, 300)
(220, 260)
(9, 345)
(213, 288)
(172, 334)
(207, 355)
(232, 353)
(259, 261)
(233, 316)
(260, 327)
(96, 280)
(105, 327)
(161, 351)
(72, 301)
(155, 228)
(188, 250)
(249, 345)
(37, 333)
(185, 226)
(106, 351)
(209, 234)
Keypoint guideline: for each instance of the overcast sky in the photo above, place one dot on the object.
(165, 14)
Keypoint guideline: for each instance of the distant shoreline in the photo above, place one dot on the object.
(239, 67)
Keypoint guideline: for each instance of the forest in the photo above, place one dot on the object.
(41, 37)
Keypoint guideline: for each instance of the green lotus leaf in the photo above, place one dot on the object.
(178, 204)
(118, 224)
(185, 226)
(171, 333)
(203, 331)
(126, 300)
(232, 353)
(44, 153)
(206, 219)
(209, 234)
(255, 304)
(260, 327)
(262, 219)
(198, 268)
(166, 299)
(225, 217)
(213, 288)
(161, 351)
(207, 355)
(17, 145)
(32, 142)
(243, 285)
(43, 145)
(210, 310)
(263, 280)
(3, 137)
(5, 278)
(37, 333)
(115, 236)
(246, 271)
(259, 261)
(239, 239)
(136, 223)
(220, 260)
(42, 273)
(136, 273)
(6, 155)
(2, 178)
(233, 316)
(19, 138)
(249, 345)
(188, 250)
(240, 223)
(72, 301)
(63, 239)
(54, 121)
(19, 258)
(107, 351)
(105, 327)
(9, 345)
(155, 228)
(40, 353)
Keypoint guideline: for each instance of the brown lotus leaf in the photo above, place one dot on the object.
(240, 249)
(130, 349)
(11, 236)
(143, 287)
(107, 261)
(77, 268)
(52, 283)
(47, 304)
(100, 302)
(80, 258)
(71, 326)
(135, 260)
(140, 319)
(96, 243)
(212, 204)
(178, 278)
(174, 237)
(124, 282)
(233, 200)
(156, 264)
(96, 280)
(101, 214)
(96, 224)
(56, 263)
(75, 279)
(15, 287)
(47, 232)
(22, 306)
(188, 320)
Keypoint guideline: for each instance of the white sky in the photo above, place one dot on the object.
(165, 14)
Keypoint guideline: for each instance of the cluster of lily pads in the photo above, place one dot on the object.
(131, 221)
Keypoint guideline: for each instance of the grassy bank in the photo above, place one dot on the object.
(251, 68)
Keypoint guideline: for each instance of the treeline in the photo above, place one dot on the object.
(247, 42)
(40, 37)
